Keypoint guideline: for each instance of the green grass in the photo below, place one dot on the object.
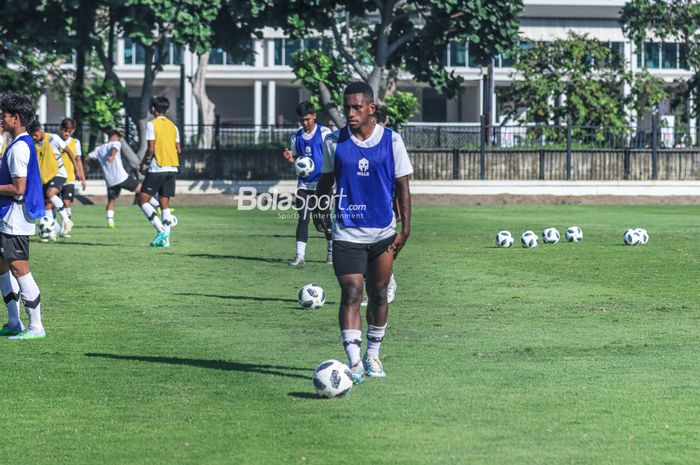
(567, 354)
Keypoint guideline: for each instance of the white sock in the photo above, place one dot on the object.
(154, 201)
(375, 335)
(58, 203)
(49, 213)
(70, 212)
(330, 246)
(110, 215)
(301, 248)
(10, 292)
(32, 301)
(352, 341)
(167, 218)
(150, 213)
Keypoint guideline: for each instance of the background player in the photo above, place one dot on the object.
(21, 201)
(308, 141)
(367, 162)
(67, 193)
(159, 165)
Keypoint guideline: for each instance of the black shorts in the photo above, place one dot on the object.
(352, 258)
(130, 184)
(68, 192)
(14, 247)
(162, 184)
(56, 182)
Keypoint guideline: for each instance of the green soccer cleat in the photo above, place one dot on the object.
(161, 240)
(374, 366)
(358, 373)
(110, 224)
(28, 334)
(8, 330)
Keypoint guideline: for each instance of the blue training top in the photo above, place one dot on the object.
(312, 148)
(33, 194)
(364, 179)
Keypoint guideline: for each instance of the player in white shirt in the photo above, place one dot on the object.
(67, 129)
(368, 164)
(116, 177)
(21, 202)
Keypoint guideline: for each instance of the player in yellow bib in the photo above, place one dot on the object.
(68, 191)
(160, 166)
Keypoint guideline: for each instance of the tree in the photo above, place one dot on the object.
(376, 40)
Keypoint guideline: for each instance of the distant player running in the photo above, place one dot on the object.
(68, 190)
(368, 163)
(116, 177)
(159, 165)
(307, 142)
(21, 202)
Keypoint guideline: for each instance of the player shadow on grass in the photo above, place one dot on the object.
(238, 297)
(69, 242)
(305, 395)
(241, 257)
(224, 365)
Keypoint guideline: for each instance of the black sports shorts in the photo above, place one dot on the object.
(352, 258)
(14, 247)
(162, 184)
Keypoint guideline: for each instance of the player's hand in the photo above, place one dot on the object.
(288, 155)
(83, 184)
(142, 168)
(399, 242)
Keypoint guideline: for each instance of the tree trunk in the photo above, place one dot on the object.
(207, 109)
(330, 107)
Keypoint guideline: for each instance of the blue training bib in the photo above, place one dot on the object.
(312, 148)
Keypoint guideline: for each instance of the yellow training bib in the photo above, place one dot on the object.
(48, 166)
(70, 168)
(166, 137)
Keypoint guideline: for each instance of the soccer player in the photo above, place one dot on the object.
(159, 165)
(368, 163)
(49, 148)
(67, 129)
(116, 177)
(308, 141)
(21, 201)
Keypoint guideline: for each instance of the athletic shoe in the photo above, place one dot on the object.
(44, 240)
(8, 330)
(29, 334)
(298, 260)
(110, 224)
(358, 373)
(158, 239)
(329, 258)
(374, 366)
(66, 226)
(162, 240)
(391, 289)
(364, 302)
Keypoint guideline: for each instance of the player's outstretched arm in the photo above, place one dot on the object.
(77, 165)
(403, 195)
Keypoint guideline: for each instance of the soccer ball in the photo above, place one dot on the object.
(631, 237)
(574, 234)
(173, 221)
(528, 239)
(332, 379)
(550, 236)
(46, 227)
(643, 235)
(312, 296)
(504, 239)
(304, 166)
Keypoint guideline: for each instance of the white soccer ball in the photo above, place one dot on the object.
(332, 379)
(46, 227)
(303, 166)
(643, 235)
(574, 234)
(173, 221)
(528, 239)
(550, 236)
(504, 239)
(312, 296)
(632, 237)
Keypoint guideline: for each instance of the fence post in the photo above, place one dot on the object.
(127, 132)
(217, 132)
(541, 164)
(455, 164)
(654, 144)
(568, 148)
(482, 149)
(439, 137)
(626, 164)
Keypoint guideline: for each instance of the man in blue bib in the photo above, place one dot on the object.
(21, 202)
(307, 142)
(368, 164)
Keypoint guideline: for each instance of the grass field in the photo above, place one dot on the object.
(566, 354)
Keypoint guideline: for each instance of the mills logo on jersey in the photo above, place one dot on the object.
(363, 166)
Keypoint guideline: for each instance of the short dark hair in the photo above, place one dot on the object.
(381, 114)
(305, 108)
(160, 103)
(18, 104)
(68, 123)
(359, 87)
(115, 132)
(33, 126)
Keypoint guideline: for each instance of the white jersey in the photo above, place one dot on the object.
(17, 221)
(57, 145)
(114, 171)
(402, 167)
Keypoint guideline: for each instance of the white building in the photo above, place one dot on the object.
(263, 92)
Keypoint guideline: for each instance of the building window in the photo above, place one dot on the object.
(649, 56)
(618, 49)
(458, 54)
(669, 56)
(216, 57)
(682, 57)
(135, 53)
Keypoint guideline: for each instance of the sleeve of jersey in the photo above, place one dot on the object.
(57, 142)
(177, 135)
(293, 146)
(19, 160)
(78, 149)
(402, 164)
(329, 143)
(150, 132)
